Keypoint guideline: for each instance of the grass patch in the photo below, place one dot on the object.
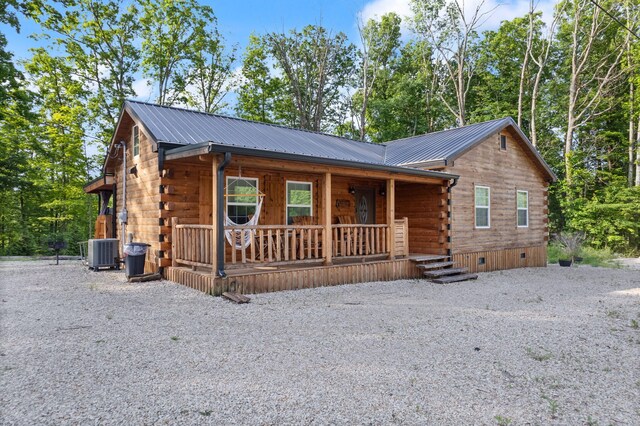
(554, 252)
(175, 338)
(599, 257)
(538, 356)
(590, 256)
(503, 421)
(634, 324)
(553, 406)
(613, 314)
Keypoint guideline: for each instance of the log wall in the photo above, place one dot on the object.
(505, 172)
(142, 191)
(426, 208)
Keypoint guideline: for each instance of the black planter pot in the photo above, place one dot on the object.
(564, 262)
(578, 259)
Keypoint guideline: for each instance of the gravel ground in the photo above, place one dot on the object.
(534, 346)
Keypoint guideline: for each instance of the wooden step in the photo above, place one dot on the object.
(429, 258)
(445, 272)
(435, 265)
(455, 278)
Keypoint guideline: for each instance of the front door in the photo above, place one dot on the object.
(365, 206)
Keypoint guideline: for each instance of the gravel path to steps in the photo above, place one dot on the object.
(531, 346)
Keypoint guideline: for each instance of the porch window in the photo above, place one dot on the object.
(136, 141)
(483, 195)
(242, 199)
(523, 209)
(299, 200)
(503, 142)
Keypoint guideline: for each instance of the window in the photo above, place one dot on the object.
(242, 206)
(482, 207)
(523, 209)
(136, 141)
(299, 200)
(503, 142)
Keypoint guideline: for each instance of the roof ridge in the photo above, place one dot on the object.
(281, 126)
(446, 130)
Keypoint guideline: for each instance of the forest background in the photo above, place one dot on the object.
(571, 80)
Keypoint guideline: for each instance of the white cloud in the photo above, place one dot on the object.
(501, 10)
(377, 8)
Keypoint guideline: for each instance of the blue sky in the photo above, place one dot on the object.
(238, 19)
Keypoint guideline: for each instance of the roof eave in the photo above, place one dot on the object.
(213, 147)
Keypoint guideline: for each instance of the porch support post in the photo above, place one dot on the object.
(327, 243)
(391, 217)
(214, 215)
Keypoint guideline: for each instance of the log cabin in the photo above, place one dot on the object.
(234, 205)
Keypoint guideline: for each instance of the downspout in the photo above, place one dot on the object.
(449, 215)
(123, 214)
(220, 216)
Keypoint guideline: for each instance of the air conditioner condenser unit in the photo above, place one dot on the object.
(103, 253)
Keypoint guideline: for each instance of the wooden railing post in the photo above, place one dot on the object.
(174, 241)
(327, 243)
(391, 216)
(405, 235)
(214, 215)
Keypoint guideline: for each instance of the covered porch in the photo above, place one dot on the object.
(317, 224)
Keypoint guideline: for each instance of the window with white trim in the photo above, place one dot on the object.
(483, 206)
(242, 199)
(299, 200)
(135, 136)
(523, 208)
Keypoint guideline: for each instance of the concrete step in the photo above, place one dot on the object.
(435, 265)
(445, 272)
(455, 278)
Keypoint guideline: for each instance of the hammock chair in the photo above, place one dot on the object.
(234, 238)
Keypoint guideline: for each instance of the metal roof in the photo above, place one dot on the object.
(443, 145)
(186, 127)
(180, 126)
(447, 145)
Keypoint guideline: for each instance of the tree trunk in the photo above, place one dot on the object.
(525, 64)
(638, 153)
(632, 136)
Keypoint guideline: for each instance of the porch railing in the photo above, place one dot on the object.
(277, 243)
(359, 240)
(192, 244)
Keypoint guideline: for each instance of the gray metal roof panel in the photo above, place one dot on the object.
(441, 145)
(185, 127)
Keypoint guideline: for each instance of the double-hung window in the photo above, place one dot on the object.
(483, 206)
(299, 200)
(135, 136)
(242, 199)
(523, 208)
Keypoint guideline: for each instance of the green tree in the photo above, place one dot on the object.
(316, 66)
(60, 156)
(98, 39)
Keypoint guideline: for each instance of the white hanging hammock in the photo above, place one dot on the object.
(235, 237)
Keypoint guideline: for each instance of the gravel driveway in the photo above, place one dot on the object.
(530, 346)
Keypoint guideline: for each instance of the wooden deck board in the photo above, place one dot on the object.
(445, 272)
(455, 278)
